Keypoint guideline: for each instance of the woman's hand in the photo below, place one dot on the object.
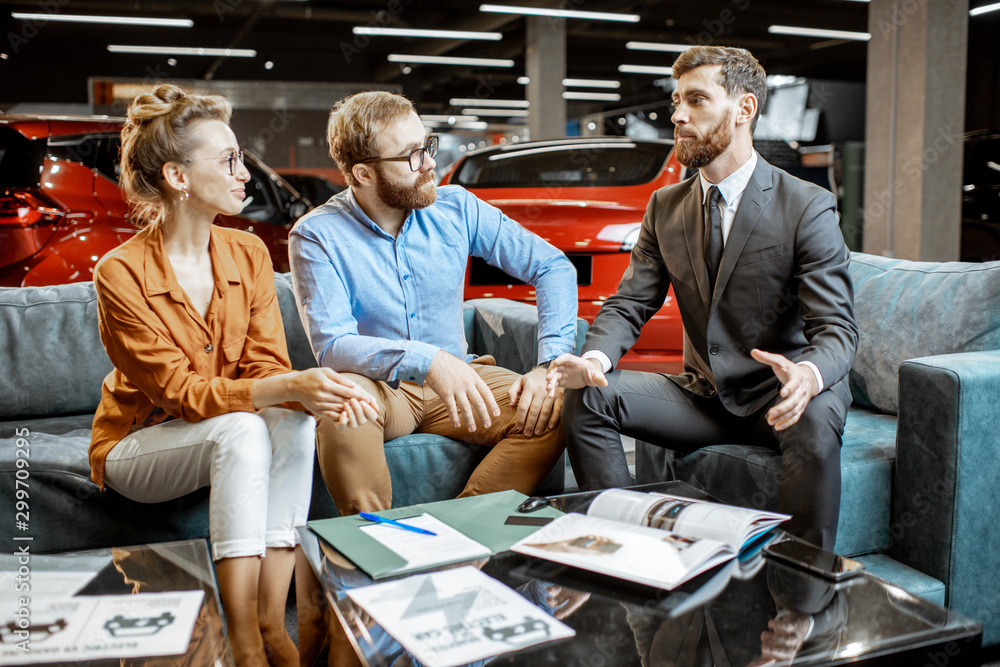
(326, 393)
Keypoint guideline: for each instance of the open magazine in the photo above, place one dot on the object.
(650, 538)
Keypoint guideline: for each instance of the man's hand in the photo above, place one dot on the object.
(538, 410)
(466, 397)
(798, 388)
(780, 643)
(326, 393)
(564, 601)
(572, 372)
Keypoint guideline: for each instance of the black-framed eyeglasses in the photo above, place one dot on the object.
(231, 160)
(415, 157)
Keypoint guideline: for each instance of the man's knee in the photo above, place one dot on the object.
(817, 434)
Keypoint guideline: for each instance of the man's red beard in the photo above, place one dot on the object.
(697, 153)
(405, 197)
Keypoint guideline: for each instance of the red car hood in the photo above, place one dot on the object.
(593, 225)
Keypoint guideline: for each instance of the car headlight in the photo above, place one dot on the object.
(627, 234)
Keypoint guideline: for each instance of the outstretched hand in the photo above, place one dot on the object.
(572, 372)
(798, 388)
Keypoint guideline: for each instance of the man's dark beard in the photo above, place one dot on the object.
(405, 197)
(697, 153)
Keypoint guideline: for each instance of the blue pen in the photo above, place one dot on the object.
(390, 522)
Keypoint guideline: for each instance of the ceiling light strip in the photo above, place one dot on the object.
(657, 46)
(591, 83)
(107, 20)
(449, 60)
(432, 34)
(560, 13)
(594, 97)
(819, 32)
(645, 69)
(507, 113)
(473, 101)
(446, 118)
(182, 51)
(985, 9)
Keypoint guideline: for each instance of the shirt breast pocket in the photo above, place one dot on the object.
(759, 255)
(232, 352)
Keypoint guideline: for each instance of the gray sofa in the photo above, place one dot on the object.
(51, 368)
(921, 455)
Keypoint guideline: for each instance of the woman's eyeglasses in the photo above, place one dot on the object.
(231, 160)
(415, 158)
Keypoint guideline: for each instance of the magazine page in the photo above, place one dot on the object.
(736, 526)
(636, 553)
(634, 507)
(421, 551)
(457, 616)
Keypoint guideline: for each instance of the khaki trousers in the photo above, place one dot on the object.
(353, 460)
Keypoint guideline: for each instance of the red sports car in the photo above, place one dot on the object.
(587, 197)
(61, 209)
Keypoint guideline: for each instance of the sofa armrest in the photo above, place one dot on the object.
(508, 330)
(946, 501)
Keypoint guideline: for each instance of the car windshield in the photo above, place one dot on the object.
(578, 165)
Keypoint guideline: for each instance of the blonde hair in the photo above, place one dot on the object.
(157, 130)
(355, 122)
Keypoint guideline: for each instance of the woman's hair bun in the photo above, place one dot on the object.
(159, 102)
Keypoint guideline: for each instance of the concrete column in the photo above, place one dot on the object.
(913, 134)
(545, 53)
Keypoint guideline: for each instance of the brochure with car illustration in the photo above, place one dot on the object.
(458, 616)
(650, 538)
(92, 627)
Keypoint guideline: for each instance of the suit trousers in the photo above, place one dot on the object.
(652, 408)
(257, 464)
(353, 460)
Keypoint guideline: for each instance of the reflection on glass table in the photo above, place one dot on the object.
(747, 613)
(147, 569)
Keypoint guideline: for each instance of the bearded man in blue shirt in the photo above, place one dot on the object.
(379, 272)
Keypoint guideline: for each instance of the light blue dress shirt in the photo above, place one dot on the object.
(383, 307)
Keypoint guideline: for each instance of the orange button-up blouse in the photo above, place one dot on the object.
(165, 354)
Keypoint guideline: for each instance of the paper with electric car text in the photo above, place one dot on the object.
(454, 617)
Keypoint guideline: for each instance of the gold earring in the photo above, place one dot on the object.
(185, 195)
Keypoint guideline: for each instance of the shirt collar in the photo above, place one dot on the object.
(359, 213)
(733, 185)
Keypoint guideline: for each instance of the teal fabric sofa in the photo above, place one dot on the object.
(921, 451)
(52, 364)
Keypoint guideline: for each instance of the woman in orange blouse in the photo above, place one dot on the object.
(189, 317)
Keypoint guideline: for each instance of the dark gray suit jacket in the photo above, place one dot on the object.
(783, 286)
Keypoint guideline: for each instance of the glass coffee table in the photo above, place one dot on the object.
(154, 568)
(737, 614)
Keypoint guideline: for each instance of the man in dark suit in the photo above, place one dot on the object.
(760, 272)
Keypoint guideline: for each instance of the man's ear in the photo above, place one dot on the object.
(174, 175)
(746, 109)
(364, 173)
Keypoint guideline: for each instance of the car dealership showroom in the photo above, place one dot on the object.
(397, 277)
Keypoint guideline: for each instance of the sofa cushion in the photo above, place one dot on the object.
(51, 358)
(906, 310)
(748, 476)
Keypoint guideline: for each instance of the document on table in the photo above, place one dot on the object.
(91, 627)
(422, 551)
(457, 616)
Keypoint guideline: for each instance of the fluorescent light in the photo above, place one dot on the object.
(819, 32)
(446, 118)
(434, 34)
(561, 147)
(657, 46)
(448, 60)
(508, 113)
(523, 80)
(984, 9)
(596, 97)
(591, 83)
(466, 125)
(111, 20)
(182, 51)
(559, 13)
(645, 69)
(472, 101)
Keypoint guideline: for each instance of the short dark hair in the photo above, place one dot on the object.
(741, 73)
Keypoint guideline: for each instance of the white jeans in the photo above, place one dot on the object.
(259, 466)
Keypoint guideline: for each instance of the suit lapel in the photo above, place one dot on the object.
(756, 199)
(694, 238)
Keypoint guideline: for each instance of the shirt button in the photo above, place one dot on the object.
(413, 379)
(714, 349)
(406, 276)
(412, 315)
(209, 348)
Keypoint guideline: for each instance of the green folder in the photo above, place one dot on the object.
(481, 518)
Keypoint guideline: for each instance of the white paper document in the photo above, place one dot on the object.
(93, 627)
(425, 551)
(457, 616)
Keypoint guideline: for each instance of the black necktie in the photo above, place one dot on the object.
(713, 236)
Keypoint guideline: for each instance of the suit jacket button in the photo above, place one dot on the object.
(714, 349)
(209, 348)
